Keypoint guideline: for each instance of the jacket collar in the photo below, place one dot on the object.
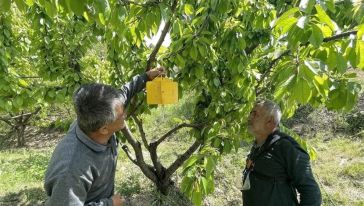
(86, 140)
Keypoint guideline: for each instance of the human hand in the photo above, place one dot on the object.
(153, 73)
(117, 200)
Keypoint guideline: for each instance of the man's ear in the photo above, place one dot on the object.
(103, 130)
(270, 122)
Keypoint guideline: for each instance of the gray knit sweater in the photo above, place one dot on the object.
(81, 171)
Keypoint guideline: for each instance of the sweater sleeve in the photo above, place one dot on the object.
(134, 86)
(300, 172)
(71, 189)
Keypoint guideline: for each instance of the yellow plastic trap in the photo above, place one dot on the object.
(162, 91)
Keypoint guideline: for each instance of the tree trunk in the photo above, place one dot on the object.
(163, 183)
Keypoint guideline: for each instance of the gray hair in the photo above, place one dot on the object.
(95, 106)
(272, 109)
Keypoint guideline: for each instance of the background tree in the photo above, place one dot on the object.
(227, 53)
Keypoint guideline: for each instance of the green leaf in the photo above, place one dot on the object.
(22, 6)
(360, 53)
(360, 47)
(350, 53)
(186, 184)
(18, 101)
(204, 183)
(197, 196)
(202, 50)
(23, 83)
(286, 15)
(5, 5)
(316, 37)
(341, 63)
(337, 99)
(353, 90)
(331, 59)
(227, 146)
(193, 53)
(209, 165)
(180, 61)
(360, 33)
(77, 7)
(217, 82)
(286, 24)
(324, 18)
(295, 35)
(199, 72)
(29, 2)
(201, 9)
(102, 6)
(330, 4)
(192, 160)
(8, 106)
(321, 84)
(188, 9)
(282, 88)
(102, 18)
(217, 143)
(51, 9)
(301, 91)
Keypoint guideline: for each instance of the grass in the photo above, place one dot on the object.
(339, 169)
(21, 175)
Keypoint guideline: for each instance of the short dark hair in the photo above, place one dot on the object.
(95, 105)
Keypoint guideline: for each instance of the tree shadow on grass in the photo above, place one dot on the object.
(25, 197)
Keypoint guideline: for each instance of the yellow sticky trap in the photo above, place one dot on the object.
(162, 91)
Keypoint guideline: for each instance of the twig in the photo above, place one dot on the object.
(127, 152)
(339, 36)
(141, 130)
(250, 49)
(175, 129)
(6, 121)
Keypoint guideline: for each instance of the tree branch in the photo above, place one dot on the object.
(29, 77)
(26, 117)
(339, 36)
(152, 57)
(181, 159)
(154, 156)
(250, 49)
(127, 152)
(6, 121)
(175, 129)
(146, 169)
(141, 130)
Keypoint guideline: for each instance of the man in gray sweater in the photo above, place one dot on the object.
(82, 168)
